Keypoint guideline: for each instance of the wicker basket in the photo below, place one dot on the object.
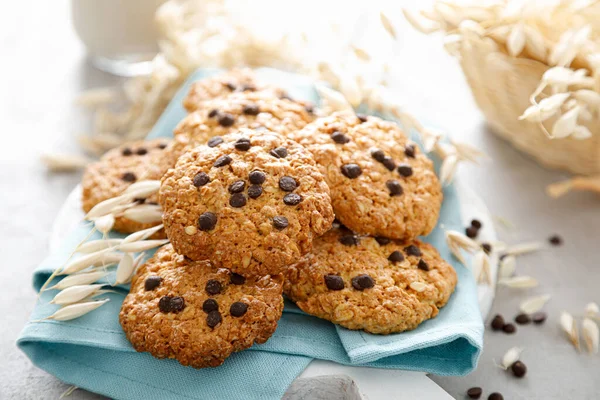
(501, 86)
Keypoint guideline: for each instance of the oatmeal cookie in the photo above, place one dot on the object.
(378, 285)
(252, 110)
(248, 201)
(124, 165)
(381, 183)
(197, 313)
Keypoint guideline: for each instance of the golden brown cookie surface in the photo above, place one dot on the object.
(381, 183)
(377, 285)
(249, 201)
(197, 313)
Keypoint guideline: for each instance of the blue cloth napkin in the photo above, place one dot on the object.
(92, 352)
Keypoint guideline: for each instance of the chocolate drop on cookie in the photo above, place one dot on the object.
(396, 256)
(213, 318)
(412, 250)
(242, 144)
(126, 151)
(423, 265)
(383, 240)
(497, 323)
(280, 223)
(222, 161)
(474, 392)
(177, 304)
(129, 177)
(334, 282)
(141, 151)
(394, 187)
(226, 120)
(213, 113)
(287, 184)
(254, 191)
(237, 200)
(214, 141)
(292, 199)
(152, 282)
(361, 117)
(237, 279)
(237, 187)
(409, 150)
(389, 163)
(210, 305)
(213, 286)
(257, 177)
(349, 240)
(339, 137)
(378, 155)
(251, 109)
(279, 152)
(201, 179)
(207, 221)
(351, 171)
(238, 309)
(362, 282)
(405, 170)
(164, 304)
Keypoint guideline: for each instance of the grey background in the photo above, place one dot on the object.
(43, 68)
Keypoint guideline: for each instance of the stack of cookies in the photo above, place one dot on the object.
(261, 198)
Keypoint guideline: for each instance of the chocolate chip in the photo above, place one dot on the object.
(214, 141)
(255, 191)
(334, 282)
(389, 163)
(539, 317)
(378, 155)
(497, 322)
(361, 117)
(222, 161)
(280, 222)
(126, 151)
(518, 369)
(495, 396)
(164, 304)
(129, 177)
(412, 250)
(213, 318)
(237, 187)
(238, 309)
(522, 319)
(287, 184)
(362, 282)
(555, 240)
(213, 286)
(476, 224)
(292, 199)
(405, 170)
(394, 187)
(201, 179)
(487, 248)
(251, 109)
(226, 120)
(396, 256)
(141, 151)
(351, 171)
(207, 221)
(230, 86)
(257, 177)
(349, 240)
(162, 146)
(474, 392)
(383, 240)
(210, 305)
(409, 150)
(423, 265)
(152, 282)
(248, 88)
(339, 137)
(213, 113)
(509, 328)
(471, 232)
(242, 144)
(237, 279)
(177, 304)
(279, 152)
(237, 200)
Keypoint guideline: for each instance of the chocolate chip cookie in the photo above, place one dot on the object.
(381, 183)
(255, 110)
(197, 313)
(248, 201)
(123, 166)
(379, 285)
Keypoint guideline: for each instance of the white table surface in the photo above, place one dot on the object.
(43, 67)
